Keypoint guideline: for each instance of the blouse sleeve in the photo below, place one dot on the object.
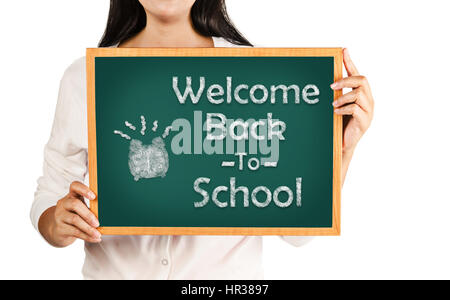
(65, 154)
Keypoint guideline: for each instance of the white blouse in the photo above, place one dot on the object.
(134, 257)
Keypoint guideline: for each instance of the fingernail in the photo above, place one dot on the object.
(91, 195)
(335, 103)
(333, 86)
(97, 235)
(95, 223)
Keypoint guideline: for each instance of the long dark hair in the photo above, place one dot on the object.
(209, 18)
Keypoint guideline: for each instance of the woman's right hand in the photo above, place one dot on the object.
(70, 219)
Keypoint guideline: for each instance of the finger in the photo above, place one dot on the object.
(349, 110)
(76, 221)
(79, 189)
(78, 207)
(355, 96)
(351, 97)
(72, 231)
(349, 65)
(352, 82)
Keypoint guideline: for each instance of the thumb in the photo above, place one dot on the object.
(349, 65)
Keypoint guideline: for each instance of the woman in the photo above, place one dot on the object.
(59, 211)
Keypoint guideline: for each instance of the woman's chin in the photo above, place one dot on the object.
(168, 10)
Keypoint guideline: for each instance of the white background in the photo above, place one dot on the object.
(395, 214)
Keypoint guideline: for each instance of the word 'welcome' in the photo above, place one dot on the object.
(258, 93)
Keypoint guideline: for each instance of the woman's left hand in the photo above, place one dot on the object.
(356, 106)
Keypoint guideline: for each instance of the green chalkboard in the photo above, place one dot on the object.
(265, 161)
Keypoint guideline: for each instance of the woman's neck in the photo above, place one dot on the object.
(173, 33)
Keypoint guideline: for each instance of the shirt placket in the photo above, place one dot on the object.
(165, 258)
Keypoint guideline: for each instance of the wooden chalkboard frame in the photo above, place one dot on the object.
(92, 53)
